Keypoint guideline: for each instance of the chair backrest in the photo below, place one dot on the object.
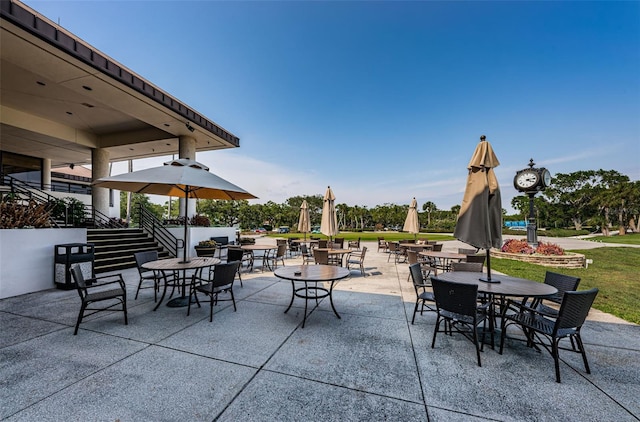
(458, 298)
(412, 256)
(282, 250)
(281, 242)
(339, 241)
(362, 253)
(437, 247)
(234, 254)
(562, 282)
(322, 243)
(472, 267)
(78, 277)
(381, 241)
(466, 251)
(144, 257)
(393, 246)
(225, 273)
(417, 275)
(304, 249)
(321, 257)
(476, 258)
(574, 308)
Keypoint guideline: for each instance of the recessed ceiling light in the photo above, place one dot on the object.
(88, 88)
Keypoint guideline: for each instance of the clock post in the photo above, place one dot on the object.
(531, 181)
(532, 227)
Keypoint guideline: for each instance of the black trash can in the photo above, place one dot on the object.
(69, 254)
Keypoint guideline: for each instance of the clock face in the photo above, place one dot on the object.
(546, 178)
(527, 179)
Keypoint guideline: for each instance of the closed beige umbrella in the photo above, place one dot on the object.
(304, 223)
(412, 222)
(329, 223)
(183, 178)
(480, 219)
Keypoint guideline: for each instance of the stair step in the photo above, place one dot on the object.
(114, 248)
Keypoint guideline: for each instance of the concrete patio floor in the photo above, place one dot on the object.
(258, 364)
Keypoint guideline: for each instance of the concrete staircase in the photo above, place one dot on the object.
(114, 248)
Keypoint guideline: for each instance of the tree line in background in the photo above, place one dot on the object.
(603, 198)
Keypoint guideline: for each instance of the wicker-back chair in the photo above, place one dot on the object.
(475, 267)
(220, 280)
(147, 275)
(456, 304)
(321, 256)
(574, 309)
(562, 282)
(357, 258)
(422, 286)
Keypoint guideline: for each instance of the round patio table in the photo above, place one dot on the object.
(177, 265)
(444, 258)
(266, 250)
(500, 287)
(311, 275)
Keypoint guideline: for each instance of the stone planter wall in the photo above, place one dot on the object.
(569, 260)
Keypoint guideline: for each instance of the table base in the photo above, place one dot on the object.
(312, 293)
(178, 302)
(486, 280)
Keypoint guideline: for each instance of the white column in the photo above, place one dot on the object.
(46, 173)
(100, 168)
(187, 149)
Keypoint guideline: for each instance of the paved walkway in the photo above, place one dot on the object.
(258, 364)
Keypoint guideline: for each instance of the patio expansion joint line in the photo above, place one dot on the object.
(79, 380)
(586, 377)
(413, 346)
(259, 370)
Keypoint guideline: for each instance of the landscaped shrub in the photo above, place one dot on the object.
(549, 249)
(200, 221)
(17, 215)
(517, 246)
(522, 247)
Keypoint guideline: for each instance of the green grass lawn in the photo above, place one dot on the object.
(628, 239)
(369, 236)
(614, 271)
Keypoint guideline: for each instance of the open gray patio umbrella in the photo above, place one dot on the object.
(480, 219)
(329, 223)
(183, 178)
(412, 223)
(304, 223)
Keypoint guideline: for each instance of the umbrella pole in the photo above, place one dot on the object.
(185, 255)
(488, 278)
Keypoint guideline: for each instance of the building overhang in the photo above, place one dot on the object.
(60, 98)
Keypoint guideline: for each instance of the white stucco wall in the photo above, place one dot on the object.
(27, 258)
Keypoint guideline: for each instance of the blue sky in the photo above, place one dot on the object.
(385, 101)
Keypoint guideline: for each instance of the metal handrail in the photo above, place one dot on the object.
(152, 225)
(101, 220)
(30, 193)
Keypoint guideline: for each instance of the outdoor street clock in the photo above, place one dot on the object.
(532, 180)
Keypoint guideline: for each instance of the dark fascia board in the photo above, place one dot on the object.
(75, 48)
